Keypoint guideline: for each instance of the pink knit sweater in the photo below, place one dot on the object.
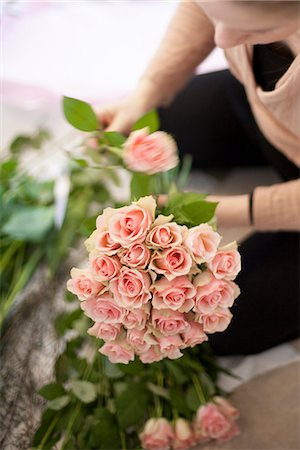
(189, 39)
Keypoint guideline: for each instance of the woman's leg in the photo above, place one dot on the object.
(267, 311)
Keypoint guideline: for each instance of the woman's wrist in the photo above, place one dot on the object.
(233, 210)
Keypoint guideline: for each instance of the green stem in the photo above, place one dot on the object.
(6, 258)
(123, 440)
(199, 389)
(115, 151)
(70, 424)
(49, 430)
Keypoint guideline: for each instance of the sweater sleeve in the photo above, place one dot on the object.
(188, 40)
(277, 207)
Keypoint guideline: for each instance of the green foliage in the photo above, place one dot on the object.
(150, 120)
(59, 402)
(80, 114)
(114, 139)
(51, 391)
(34, 141)
(131, 405)
(142, 185)
(84, 390)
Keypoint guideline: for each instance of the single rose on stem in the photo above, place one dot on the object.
(150, 153)
(211, 422)
(184, 435)
(216, 321)
(157, 434)
(226, 264)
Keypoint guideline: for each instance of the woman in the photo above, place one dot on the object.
(246, 116)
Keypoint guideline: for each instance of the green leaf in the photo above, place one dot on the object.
(80, 114)
(84, 390)
(141, 185)
(135, 367)
(177, 372)
(65, 321)
(30, 223)
(81, 162)
(158, 390)
(151, 120)
(19, 143)
(114, 138)
(131, 405)
(51, 391)
(112, 370)
(59, 402)
(178, 401)
(47, 418)
(104, 433)
(179, 199)
(192, 399)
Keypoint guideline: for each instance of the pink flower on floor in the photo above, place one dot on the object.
(150, 153)
(84, 285)
(171, 262)
(216, 321)
(103, 309)
(106, 331)
(231, 433)
(227, 262)
(169, 322)
(158, 434)
(212, 293)
(177, 294)
(131, 288)
(195, 335)
(104, 267)
(202, 242)
(184, 435)
(118, 351)
(226, 408)
(130, 224)
(164, 234)
(211, 422)
(137, 256)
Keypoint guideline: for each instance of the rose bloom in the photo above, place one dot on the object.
(130, 224)
(105, 331)
(136, 318)
(118, 351)
(184, 435)
(136, 339)
(153, 354)
(195, 335)
(211, 422)
(170, 346)
(171, 262)
(158, 434)
(169, 322)
(214, 294)
(177, 294)
(104, 267)
(216, 321)
(164, 234)
(137, 256)
(150, 153)
(103, 309)
(84, 285)
(226, 408)
(202, 242)
(101, 241)
(132, 288)
(231, 433)
(227, 262)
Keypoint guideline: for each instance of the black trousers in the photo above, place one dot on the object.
(212, 120)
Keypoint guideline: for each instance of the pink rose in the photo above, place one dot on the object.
(231, 433)
(150, 153)
(132, 288)
(105, 331)
(153, 354)
(136, 339)
(170, 346)
(177, 294)
(101, 241)
(184, 435)
(216, 321)
(195, 335)
(104, 267)
(158, 434)
(136, 318)
(202, 242)
(169, 322)
(214, 294)
(117, 351)
(103, 309)
(164, 235)
(227, 263)
(130, 224)
(136, 256)
(226, 408)
(103, 219)
(84, 285)
(171, 262)
(212, 422)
